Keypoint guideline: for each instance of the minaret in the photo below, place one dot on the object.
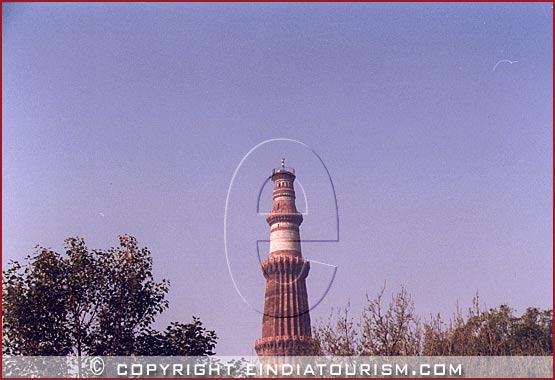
(286, 327)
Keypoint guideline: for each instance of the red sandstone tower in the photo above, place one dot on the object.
(286, 327)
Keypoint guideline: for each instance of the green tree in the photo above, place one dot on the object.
(491, 332)
(177, 340)
(93, 302)
(532, 333)
(395, 330)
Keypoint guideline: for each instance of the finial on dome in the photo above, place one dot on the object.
(283, 169)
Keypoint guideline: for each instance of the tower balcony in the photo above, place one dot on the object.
(302, 345)
(294, 217)
(283, 169)
(296, 267)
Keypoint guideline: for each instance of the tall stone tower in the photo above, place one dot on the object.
(286, 327)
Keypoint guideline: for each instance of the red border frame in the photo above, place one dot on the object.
(259, 1)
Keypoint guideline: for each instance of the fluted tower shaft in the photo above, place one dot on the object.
(286, 329)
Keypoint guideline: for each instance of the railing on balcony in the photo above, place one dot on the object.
(282, 169)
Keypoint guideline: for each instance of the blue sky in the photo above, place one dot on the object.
(132, 118)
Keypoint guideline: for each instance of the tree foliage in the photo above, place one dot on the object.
(395, 330)
(491, 332)
(177, 340)
(390, 330)
(95, 302)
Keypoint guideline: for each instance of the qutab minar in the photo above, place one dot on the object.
(286, 329)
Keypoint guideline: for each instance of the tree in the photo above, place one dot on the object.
(339, 337)
(381, 330)
(532, 333)
(99, 302)
(177, 340)
(395, 330)
(491, 332)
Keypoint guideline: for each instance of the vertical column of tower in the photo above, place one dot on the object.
(286, 329)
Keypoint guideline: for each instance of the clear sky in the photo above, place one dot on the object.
(132, 118)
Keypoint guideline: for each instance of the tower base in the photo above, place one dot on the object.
(285, 346)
